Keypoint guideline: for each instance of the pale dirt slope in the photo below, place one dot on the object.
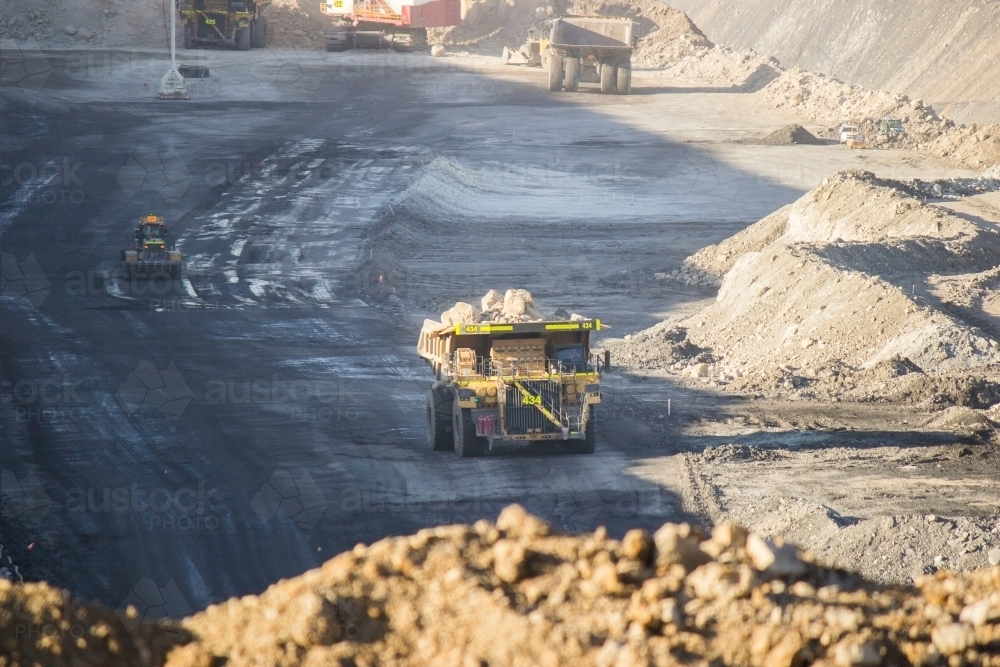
(946, 53)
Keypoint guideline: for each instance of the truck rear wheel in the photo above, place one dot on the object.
(556, 73)
(608, 75)
(467, 443)
(589, 442)
(623, 83)
(439, 436)
(572, 78)
(243, 39)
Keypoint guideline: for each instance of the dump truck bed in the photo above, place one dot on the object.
(582, 35)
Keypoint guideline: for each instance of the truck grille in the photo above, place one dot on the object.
(520, 418)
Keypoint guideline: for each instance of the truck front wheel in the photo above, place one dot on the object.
(556, 73)
(439, 437)
(243, 39)
(608, 75)
(467, 443)
(258, 33)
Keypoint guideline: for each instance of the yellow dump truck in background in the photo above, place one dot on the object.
(531, 382)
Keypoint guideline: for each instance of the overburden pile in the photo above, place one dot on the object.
(517, 592)
(857, 291)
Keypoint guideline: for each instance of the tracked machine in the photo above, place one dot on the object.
(235, 23)
(530, 382)
(151, 255)
(397, 24)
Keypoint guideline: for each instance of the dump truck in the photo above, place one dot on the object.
(235, 23)
(526, 382)
(597, 49)
(397, 24)
(151, 255)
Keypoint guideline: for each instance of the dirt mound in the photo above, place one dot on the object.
(819, 300)
(663, 33)
(791, 134)
(916, 545)
(664, 345)
(488, 26)
(292, 23)
(731, 453)
(40, 625)
(829, 100)
(876, 43)
(517, 592)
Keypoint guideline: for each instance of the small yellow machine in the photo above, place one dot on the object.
(857, 140)
(532, 53)
(151, 256)
(522, 382)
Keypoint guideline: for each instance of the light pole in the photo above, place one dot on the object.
(172, 85)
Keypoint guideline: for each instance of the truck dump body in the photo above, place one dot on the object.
(533, 381)
(586, 33)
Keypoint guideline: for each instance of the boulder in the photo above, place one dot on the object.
(492, 302)
(461, 313)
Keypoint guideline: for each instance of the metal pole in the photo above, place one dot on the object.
(172, 86)
(173, 34)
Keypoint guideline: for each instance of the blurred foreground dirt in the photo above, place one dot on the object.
(518, 593)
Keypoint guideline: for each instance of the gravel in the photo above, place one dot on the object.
(518, 592)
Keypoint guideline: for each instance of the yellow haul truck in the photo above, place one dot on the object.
(529, 382)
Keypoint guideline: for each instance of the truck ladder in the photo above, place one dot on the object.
(556, 419)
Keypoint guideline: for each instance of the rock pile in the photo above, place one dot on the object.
(791, 134)
(820, 300)
(290, 25)
(663, 34)
(516, 305)
(518, 592)
(40, 625)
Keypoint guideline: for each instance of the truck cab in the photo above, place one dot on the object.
(847, 131)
